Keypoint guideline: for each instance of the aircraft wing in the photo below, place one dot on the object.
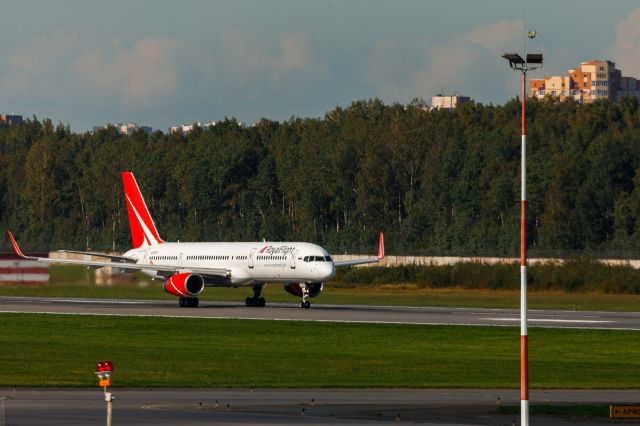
(364, 261)
(356, 262)
(113, 257)
(124, 264)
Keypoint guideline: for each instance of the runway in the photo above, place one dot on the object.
(327, 313)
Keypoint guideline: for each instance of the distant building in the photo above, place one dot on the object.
(10, 119)
(125, 129)
(448, 102)
(186, 128)
(593, 80)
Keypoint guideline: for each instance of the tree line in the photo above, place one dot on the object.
(436, 181)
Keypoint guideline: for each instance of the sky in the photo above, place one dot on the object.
(161, 63)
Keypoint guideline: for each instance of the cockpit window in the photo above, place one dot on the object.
(317, 259)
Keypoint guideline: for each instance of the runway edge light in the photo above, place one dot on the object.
(104, 370)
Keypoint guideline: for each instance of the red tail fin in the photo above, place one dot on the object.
(143, 229)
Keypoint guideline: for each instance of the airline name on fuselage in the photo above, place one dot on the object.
(277, 250)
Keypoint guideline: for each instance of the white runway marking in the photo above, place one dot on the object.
(427, 323)
(568, 321)
(102, 314)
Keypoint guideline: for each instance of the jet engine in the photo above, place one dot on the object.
(296, 289)
(184, 285)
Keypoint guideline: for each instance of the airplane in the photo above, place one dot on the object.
(188, 267)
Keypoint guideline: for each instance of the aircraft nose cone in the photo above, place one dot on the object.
(329, 270)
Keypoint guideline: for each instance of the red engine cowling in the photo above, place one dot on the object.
(296, 289)
(184, 285)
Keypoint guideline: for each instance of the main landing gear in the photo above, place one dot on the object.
(188, 302)
(256, 301)
(304, 303)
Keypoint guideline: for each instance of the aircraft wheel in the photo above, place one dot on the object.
(248, 301)
(307, 304)
(261, 302)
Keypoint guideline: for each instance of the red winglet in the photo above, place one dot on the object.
(381, 246)
(15, 245)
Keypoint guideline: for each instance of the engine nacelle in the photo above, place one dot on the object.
(184, 285)
(296, 289)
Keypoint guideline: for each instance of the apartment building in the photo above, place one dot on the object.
(186, 128)
(125, 128)
(591, 81)
(10, 119)
(448, 102)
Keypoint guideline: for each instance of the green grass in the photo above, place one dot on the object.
(572, 275)
(61, 350)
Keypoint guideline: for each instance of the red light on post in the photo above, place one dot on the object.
(104, 370)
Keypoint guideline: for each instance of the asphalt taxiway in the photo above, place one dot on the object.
(327, 313)
(71, 407)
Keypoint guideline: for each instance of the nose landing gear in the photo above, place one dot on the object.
(304, 303)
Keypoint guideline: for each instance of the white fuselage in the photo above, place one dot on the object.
(248, 263)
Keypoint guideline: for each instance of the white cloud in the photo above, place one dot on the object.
(139, 75)
(499, 37)
(459, 65)
(392, 64)
(43, 53)
(448, 69)
(626, 50)
(246, 56)
(36, 67)
(295, 53)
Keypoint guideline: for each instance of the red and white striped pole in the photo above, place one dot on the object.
(524, 351)
(517, 63)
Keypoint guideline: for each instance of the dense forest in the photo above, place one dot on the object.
(437, 182)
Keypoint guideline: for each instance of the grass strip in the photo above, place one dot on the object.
(61, 350)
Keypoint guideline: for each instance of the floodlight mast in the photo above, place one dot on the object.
(533, 61)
